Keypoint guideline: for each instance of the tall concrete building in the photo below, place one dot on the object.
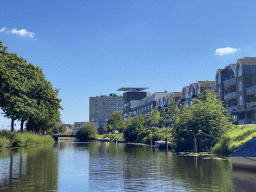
(131, 96)
(101, 107)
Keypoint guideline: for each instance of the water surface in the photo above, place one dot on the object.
(97, 166)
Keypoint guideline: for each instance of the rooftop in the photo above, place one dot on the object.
(132, 89)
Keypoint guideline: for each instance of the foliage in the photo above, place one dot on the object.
(111, 136)
(17, 139)
(235, 137)
(153, 117)
(116, 122)
(135, 129)
(206, 121)
(87, 131)
(25, 94)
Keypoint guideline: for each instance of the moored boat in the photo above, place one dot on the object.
(162, 144)
(245, 155)
(121, 140)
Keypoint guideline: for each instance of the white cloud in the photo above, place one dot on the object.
(2, 29)
(22, 32)
(224, 51)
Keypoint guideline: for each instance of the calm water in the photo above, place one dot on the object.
(95, 166)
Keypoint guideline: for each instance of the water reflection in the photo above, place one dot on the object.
(98, 166)
(23, 167)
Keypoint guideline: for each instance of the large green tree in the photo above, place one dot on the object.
(26, 94)
(206, 121)
(116, 122)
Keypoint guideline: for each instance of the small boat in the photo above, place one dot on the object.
(162, 144)
(121, 140)
(106, 139)
(245, 155)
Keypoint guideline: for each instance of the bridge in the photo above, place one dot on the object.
(56, 136)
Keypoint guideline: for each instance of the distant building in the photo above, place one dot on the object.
(132, 96)
(101, 107)
(144, 106)
(193, 90)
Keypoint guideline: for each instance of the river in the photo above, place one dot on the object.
(98, 166)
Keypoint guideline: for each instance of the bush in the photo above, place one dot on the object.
(4, 142)
(87, 131)
(17, 139)
(222, 146)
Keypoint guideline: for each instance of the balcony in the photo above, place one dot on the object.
(250, 90)
(251, 105)
(230, 96)
(232, 108)
(229, 82)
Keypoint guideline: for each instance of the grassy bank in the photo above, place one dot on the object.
(111, 136)
(17, 139)
(237, 136)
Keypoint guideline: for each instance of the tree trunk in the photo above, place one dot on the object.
(151, 142)
(195, 146)
(12, 125)
(166, 143)
(21, 125)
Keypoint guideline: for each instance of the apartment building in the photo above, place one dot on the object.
(193, 90)
(144, 106)
(131, 97)
(101, 107)
(236, 87)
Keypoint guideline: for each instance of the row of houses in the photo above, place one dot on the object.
(235, 86)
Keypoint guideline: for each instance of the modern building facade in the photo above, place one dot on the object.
(101, 107)
(236, 87)
(193, 90)
(144, 106)
(131, 96)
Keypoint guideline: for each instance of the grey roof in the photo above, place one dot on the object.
(132, 88)
(248, 61)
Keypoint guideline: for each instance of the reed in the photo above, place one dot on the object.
(18, 139)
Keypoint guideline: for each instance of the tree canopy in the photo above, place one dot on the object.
(25, 94)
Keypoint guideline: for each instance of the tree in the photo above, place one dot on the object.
(25, 94)
(135, 129)
(153, 117)
(116, 122)
(206, 121)
(87, 131)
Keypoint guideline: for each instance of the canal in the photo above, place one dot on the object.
(97, 166)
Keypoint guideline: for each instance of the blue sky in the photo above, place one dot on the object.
(93, 47)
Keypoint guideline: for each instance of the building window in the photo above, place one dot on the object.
(239, 70)
(254, 82)
(240, 86)
(240, 100)
(219, 79)
(219, 92)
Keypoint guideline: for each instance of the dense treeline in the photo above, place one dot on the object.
(26, 95)
(206, 123)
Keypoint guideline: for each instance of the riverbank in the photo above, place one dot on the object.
(237, 136)
(18, 139)
(111, 136)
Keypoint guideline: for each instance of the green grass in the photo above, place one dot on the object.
(237, 136)
(18, 139)
(111, 136)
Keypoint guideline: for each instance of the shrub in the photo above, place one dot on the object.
(87, 131)
(4, 142)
